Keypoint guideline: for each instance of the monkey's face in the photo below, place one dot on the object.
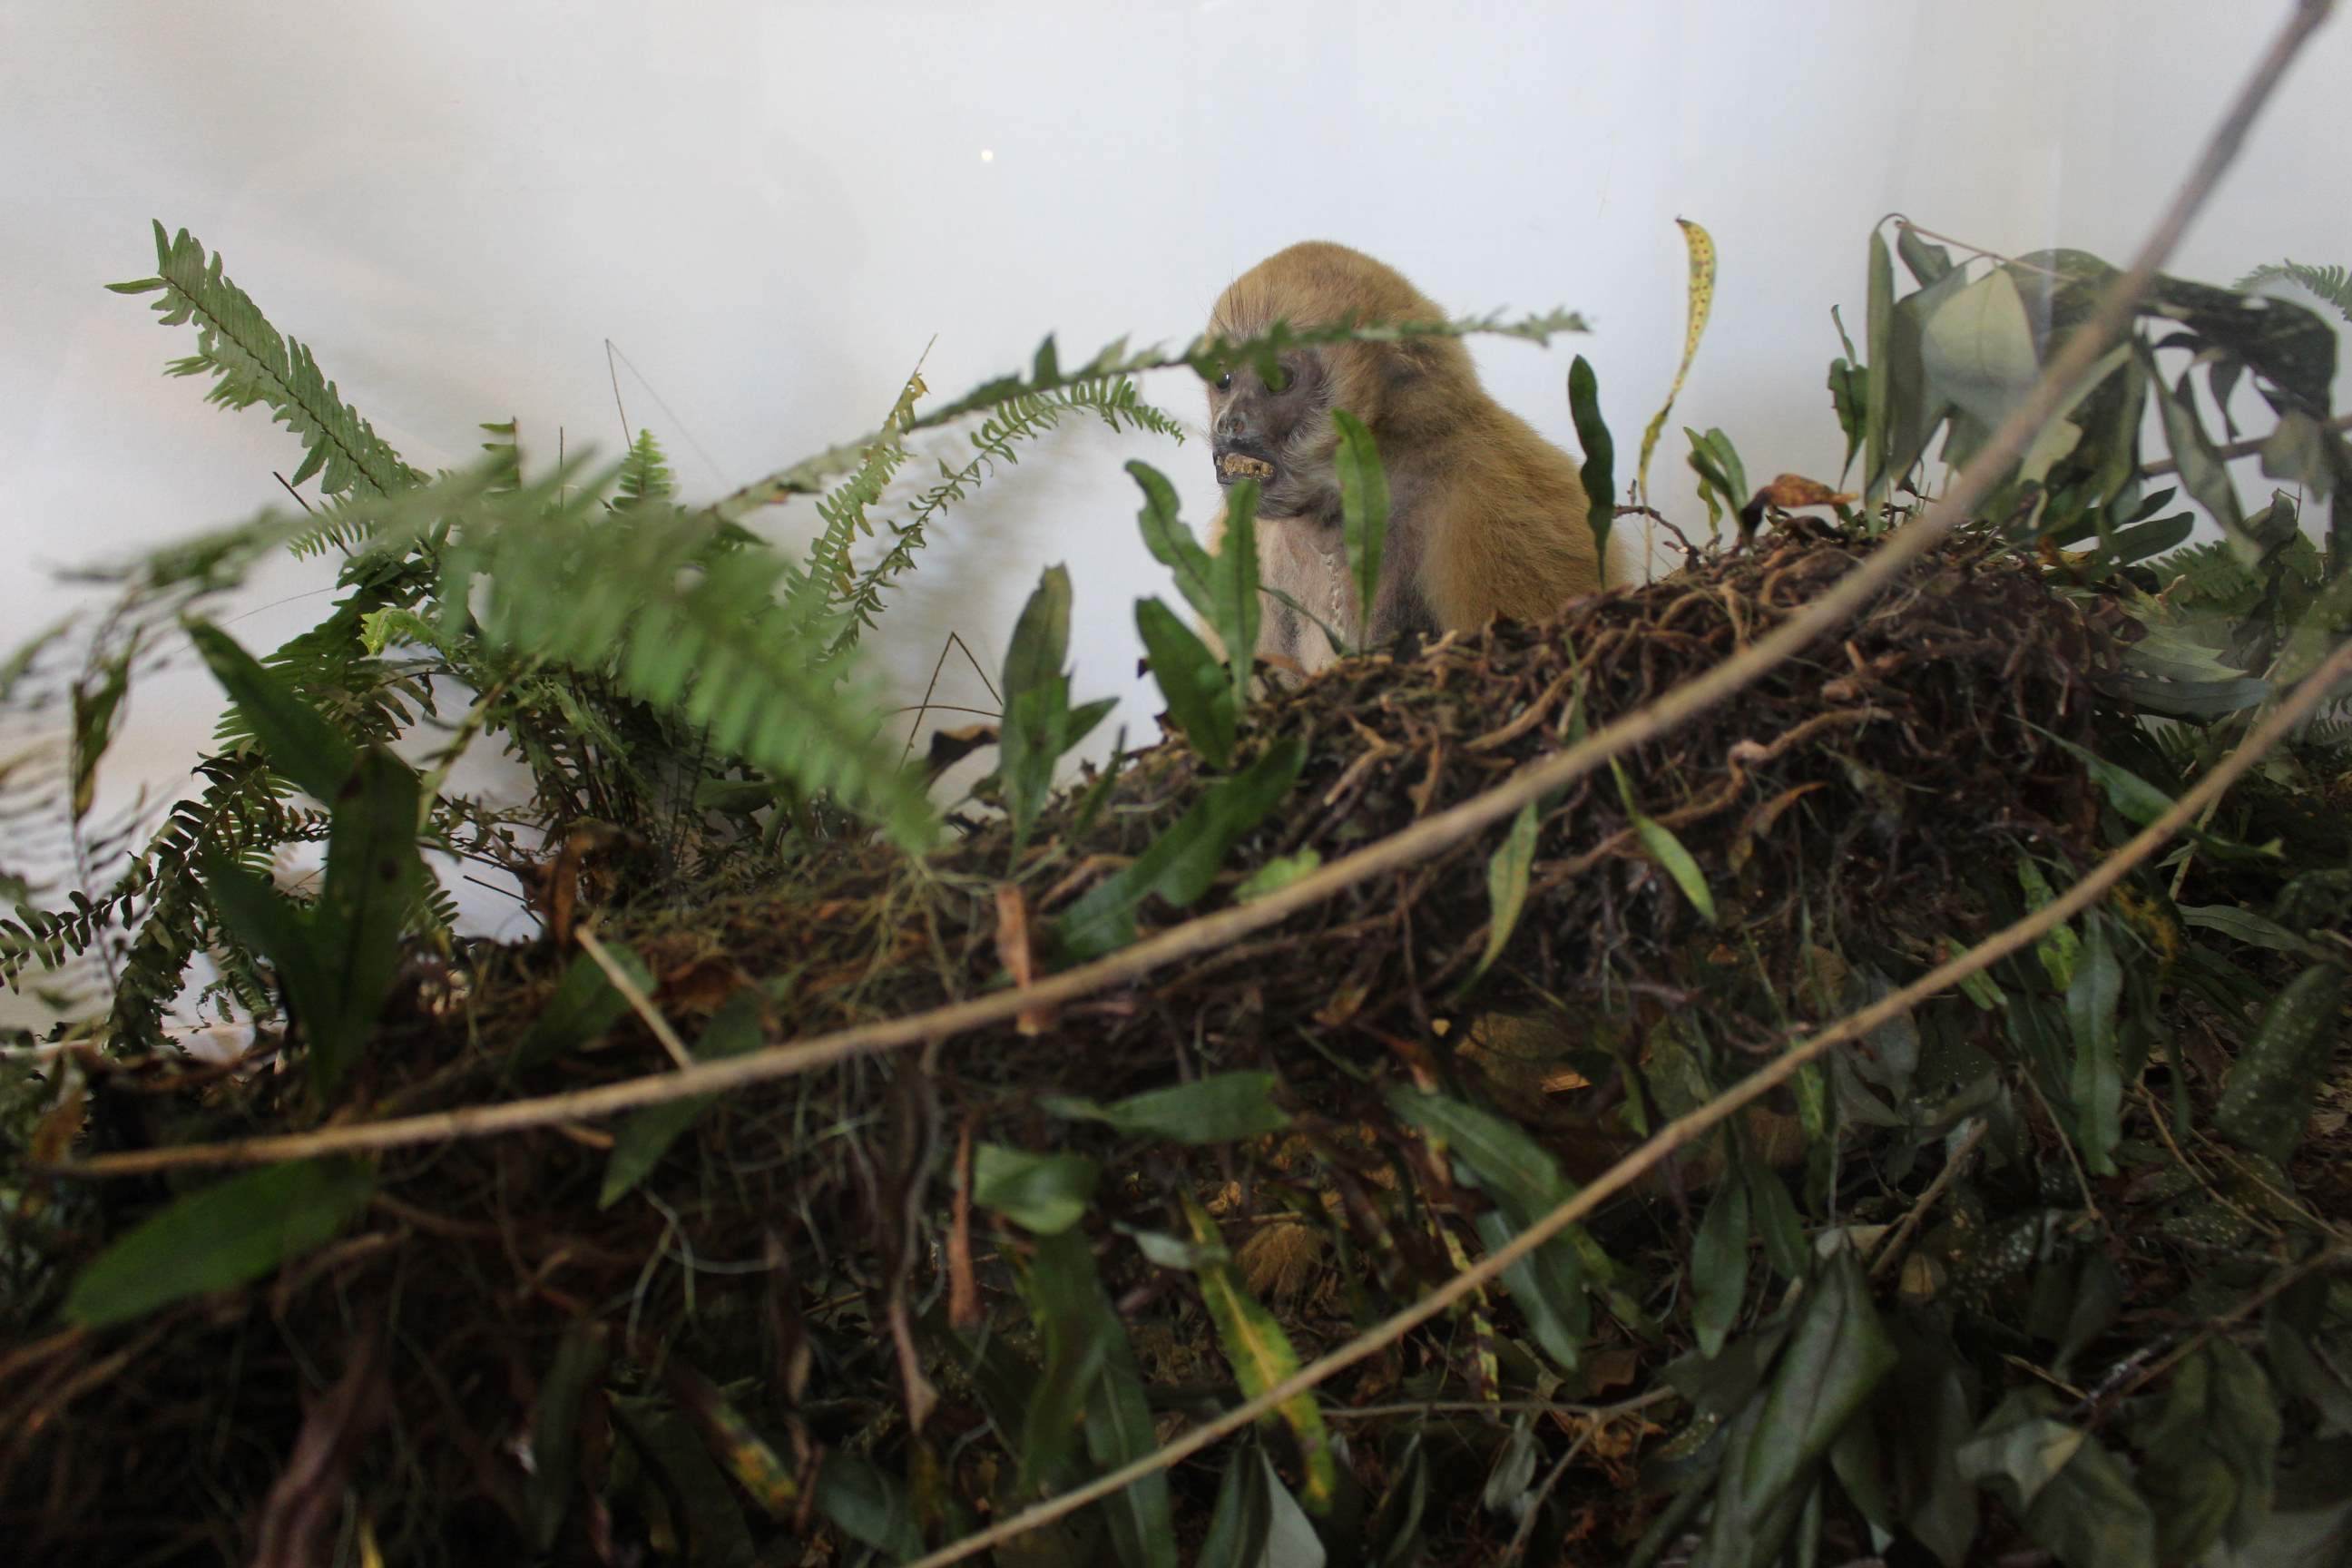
(1261, 432)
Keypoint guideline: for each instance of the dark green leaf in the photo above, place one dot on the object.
(2098, 1087)
(1182, 862)
(95, 710)
(1396, 1533)
(374, 875)
(1598, 472)
(2246, 926)
(646, 1136)
(1075, 1327)
(225, 1234)
(300, 744)
(1836, 1354)
(1216, 1110)
(584, 1005)
(2275, 1080)
(1192, 682)
(868, 1504)
(2202, 473)
(1719, 1267)
(1233, 583)
(555, 1421)
(1036, 727)
(1244, 1514)
(1363, 513)
(1506, 887)
(1171, 544)
(1879, 339)
(2213, 1450)
(1044, 1193)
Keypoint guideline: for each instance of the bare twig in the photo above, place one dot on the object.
(1417, 843)
(2245, 448)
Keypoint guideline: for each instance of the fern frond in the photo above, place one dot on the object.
(645, 474)
(2331, 284)
(1018, 420)
(249, 363)
(687, 620)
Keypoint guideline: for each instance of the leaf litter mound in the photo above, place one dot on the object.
(704, 1330)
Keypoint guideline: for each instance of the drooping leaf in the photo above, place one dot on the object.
(1719, 1266)
(1045, 1192)
(225, 1234)
(1977, 348)
(2074, 1495)
(1192, 682)
(646, 1136)
(1261, 1356)
(1170, 543)
(1218, 1109)
(1363, 513)
(1506, 887)
(2202, 473)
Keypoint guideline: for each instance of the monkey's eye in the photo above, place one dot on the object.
(1225, 382)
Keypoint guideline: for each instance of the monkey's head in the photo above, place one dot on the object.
(1282, 435)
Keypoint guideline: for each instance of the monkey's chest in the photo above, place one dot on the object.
(1308, 562)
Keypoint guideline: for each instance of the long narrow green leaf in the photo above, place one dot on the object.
(1192, 682)
(1233, 585)
(1363, 514)
(299, 744)
(1598, 472)
(1261, 1356)
(227, 1234)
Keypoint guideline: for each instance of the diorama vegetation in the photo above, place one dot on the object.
(842, 1172)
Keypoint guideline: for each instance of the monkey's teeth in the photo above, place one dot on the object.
(1247, 467)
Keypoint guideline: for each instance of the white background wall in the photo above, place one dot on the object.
(770, 209)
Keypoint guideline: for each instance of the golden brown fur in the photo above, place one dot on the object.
(1486, 518)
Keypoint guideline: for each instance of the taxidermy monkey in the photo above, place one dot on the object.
(1485, 517)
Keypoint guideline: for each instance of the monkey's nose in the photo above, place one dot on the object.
(1236, 426)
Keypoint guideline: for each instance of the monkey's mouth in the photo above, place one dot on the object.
(1235, 463)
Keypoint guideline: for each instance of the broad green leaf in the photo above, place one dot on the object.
(1192, 682)
(1719, 1267)
(1261, 1356)
(1977, 348)
(2098, 1086)
(2214, 1452)
(374, 875)
(1506, 887)
(584, 1005)
(1035, 727)
(300, 744)
(2274, 1081)
(1216, 1110)
(1836, 1355)
(1182, 862)
(2134, 798)
(1277, 874)
(2074, 1495)
(1047, 1194)
(225, 1234)
(1599, 471)
(1075, 1327)
(1233, 583)
(646, 1136)
(1170, 543)
(868, 1504)
(2202, 472)
(1363, 514)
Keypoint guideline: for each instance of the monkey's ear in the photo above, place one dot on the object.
(1408, 362)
